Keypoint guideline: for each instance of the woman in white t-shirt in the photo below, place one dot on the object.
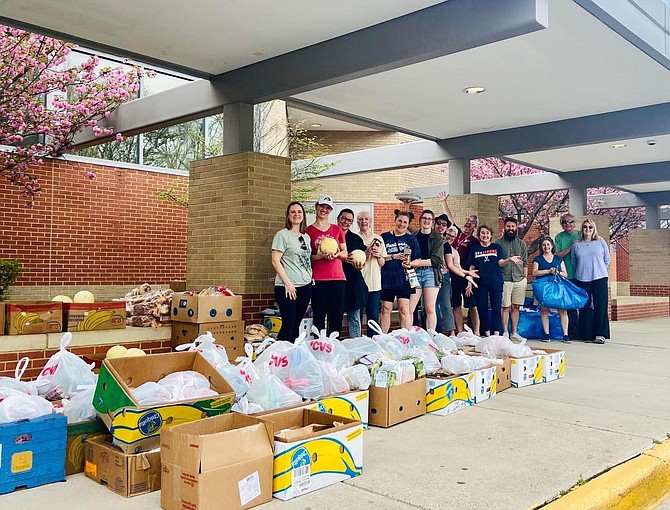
(291, 259)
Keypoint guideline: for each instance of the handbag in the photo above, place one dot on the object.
(556, 291)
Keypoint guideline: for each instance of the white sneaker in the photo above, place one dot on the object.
(506, 334)
(518, 337)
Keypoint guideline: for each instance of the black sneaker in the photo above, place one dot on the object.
(566, 339)
(545, 338)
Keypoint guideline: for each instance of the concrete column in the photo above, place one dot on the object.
(577, 201)
(459, 176)
(236, 204)
(652, 217)
(238, 128)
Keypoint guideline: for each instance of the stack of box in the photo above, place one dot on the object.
(94, 316)
(194, 315)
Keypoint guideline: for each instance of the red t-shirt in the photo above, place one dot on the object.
(324, 269)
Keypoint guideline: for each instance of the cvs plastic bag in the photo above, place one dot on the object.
(14, 385)
(333, 381)
(64, 372)
(359, 347)
(328, 348)
(23, 407)
(80, 406)
(391, 346)
(269, 392)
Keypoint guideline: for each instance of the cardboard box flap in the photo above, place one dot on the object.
(217, 441)
(302, 418)
(234, 446)
(143, 462)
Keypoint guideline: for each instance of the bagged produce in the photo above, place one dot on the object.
(467, 337)
(444, 343)
(80, 406)
(23, 407)
(431, 363)
(151, 393)
(187, 384)
(333, 381)
(64, 372)
(328, 348)
(245, 407)
(14, 385)
(359, 347)
(357, 376)
(269, 392)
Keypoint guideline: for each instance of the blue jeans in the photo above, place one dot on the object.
(372, 308)
(354, 320)
(445, 314)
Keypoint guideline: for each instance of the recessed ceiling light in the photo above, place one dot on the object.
(315, 124)
(474, 90)
(617, 145)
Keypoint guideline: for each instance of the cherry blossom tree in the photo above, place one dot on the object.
(536, 208)
(44, 102)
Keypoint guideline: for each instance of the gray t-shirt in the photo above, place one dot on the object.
(296, 257)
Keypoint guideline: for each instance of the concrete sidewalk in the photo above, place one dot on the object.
(515, 451)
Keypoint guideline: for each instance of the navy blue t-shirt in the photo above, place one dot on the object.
(393, 274)
(485, 260)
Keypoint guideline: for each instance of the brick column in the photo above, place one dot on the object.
(484, 206)
(236, 204)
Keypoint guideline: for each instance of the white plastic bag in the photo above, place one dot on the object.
(23, 407)
(357, 376)
(467, 337)
(391, 346)
(328, 348)
(245, 407)
(151, 393)
(80, 406)
(494, 346)
(430, 362)
(14, 385)
(64, 372)
(210, 350)
(359, 347)
(444, 343)
(520, 350)
(269, 392)
(333, 381)
(186, 385)
(456, 364)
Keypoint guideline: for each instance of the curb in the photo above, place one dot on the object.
(634, 485)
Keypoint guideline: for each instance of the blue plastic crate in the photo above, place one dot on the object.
(32, 452)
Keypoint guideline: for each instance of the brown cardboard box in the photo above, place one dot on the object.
(178, 285)
(137, 428)
(187, 308)
(219, 462)
(94, 316)
(389, 406)
(503, 375)
(124, 473)
(229, 334)
(77, 435)
(34, 317)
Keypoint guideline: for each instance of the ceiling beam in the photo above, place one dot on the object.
(619, 175)
(639, 122)
(442, 29)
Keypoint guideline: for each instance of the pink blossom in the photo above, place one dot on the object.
(91, 175)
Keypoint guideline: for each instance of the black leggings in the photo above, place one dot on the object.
(482, 294)
(292, 310)
(328, 300)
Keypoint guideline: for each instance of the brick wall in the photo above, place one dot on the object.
(81, 232)
(622, 253)
(649, 262)
(336, 142)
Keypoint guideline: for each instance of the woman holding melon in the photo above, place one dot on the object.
(329, 250)
(291, 259)
(355, 290)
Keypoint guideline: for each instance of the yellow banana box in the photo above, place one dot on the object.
(94, 316)
(34, 317)
(77, 435)
(137, 428)
(485, 383)
(527, 370)
(445, 396)
(313, 450)
(353, 404)
(553, 365)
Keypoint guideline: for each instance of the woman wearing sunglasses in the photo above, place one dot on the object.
(291, 259)
(591, 258)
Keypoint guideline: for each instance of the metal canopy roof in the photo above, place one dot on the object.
(562, 84)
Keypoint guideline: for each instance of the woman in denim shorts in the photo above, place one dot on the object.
(428, 268)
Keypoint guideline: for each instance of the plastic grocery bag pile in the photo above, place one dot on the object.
(66, 379)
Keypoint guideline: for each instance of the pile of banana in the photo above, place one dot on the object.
(24, 320)
(93, 319)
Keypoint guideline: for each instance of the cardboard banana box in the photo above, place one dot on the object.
(34, 317)
(94, 316)
(137, 428)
